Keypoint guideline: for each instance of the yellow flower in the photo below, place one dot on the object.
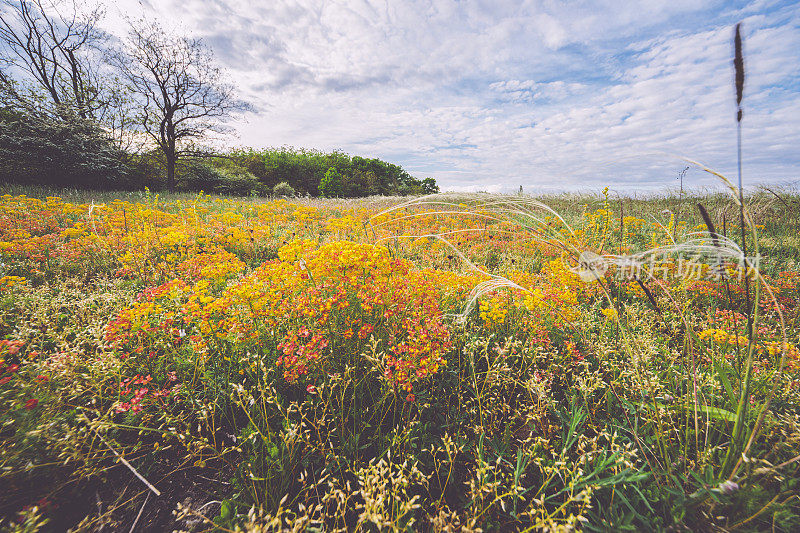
(610, 313)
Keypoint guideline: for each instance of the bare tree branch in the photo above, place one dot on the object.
(56, 53)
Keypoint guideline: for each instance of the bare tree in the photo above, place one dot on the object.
(55, 53)
(181, 93)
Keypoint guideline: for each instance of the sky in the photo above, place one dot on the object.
(493, 95)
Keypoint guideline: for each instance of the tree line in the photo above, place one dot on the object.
(81, 108)
(333, 174)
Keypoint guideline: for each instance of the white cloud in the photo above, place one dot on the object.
(502, 94)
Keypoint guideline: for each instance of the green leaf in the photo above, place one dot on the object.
(714, 412)
(226, 510)
(722, 375)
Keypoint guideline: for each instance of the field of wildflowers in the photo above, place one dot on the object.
(451, 363)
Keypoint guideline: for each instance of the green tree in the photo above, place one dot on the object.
(362, 183)
(252, 161)
(332, 184)
(429, 186)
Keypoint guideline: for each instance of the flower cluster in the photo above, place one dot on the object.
(318, 305)
(136, 392)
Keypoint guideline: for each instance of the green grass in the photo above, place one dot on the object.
(598, 407)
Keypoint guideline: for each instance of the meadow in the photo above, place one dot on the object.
(444, 363)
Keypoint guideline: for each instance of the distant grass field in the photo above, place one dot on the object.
(457, 363)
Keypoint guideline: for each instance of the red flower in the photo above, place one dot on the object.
(30, 404)
(365, 330)
(5, 380)
(42, 378)
(13, 349)
(410, 398)
(311, 389)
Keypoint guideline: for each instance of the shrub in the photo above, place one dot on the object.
(61, 151)
(202, 176)
(283, 189)
(147, 169)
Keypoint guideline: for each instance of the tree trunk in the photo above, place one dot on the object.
(171, 156)
(171, 169)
